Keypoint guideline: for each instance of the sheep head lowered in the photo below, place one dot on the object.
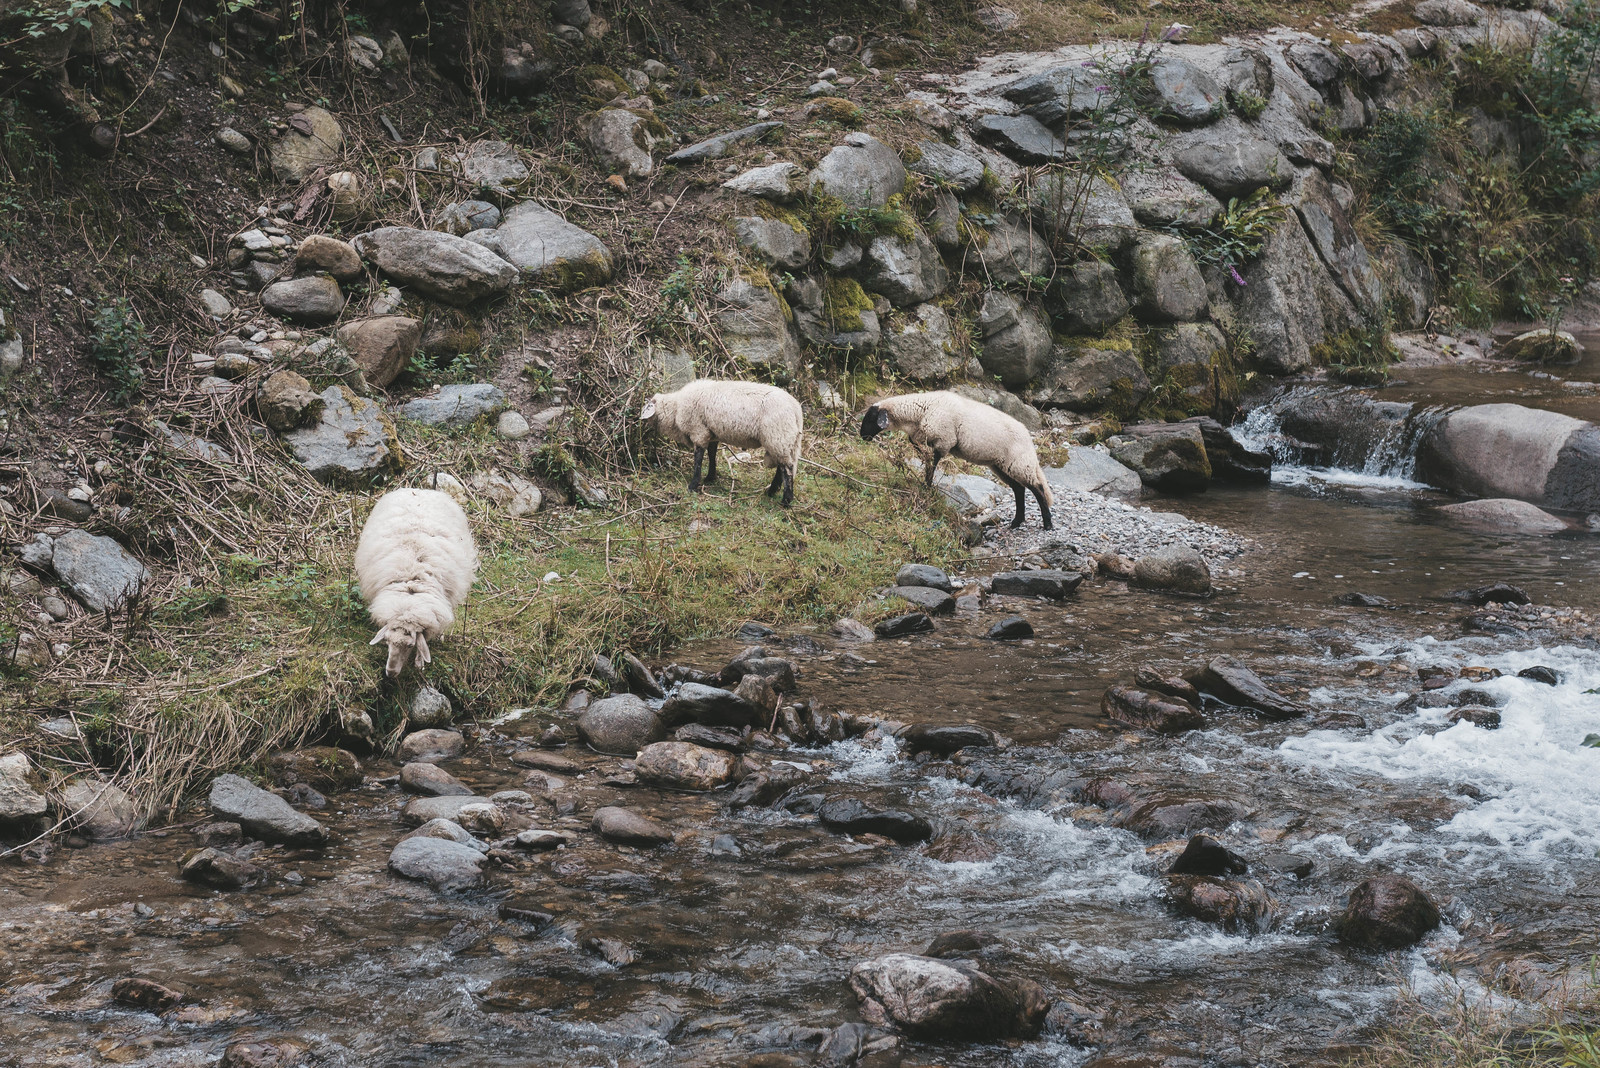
(404, 643)
(874, 422)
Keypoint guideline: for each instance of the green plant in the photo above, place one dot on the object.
(1236, 234)
(1247, 104)
(41, 19)
(553, 462)
(116, 345)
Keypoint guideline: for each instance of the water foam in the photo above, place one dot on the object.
(1388, 467)
(1541, 785)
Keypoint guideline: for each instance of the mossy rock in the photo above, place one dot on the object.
(595, 80)
(838, 110)
(768, 210)
(843, 301)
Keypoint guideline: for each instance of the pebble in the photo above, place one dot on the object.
(1090, 523)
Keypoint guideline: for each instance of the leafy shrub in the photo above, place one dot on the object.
(116, 344)
(1236, 234)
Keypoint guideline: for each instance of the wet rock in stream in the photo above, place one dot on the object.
(1486, 718)
(1547, 675)
(431, 780)
(320, 766)
(449, 831)
(1178, 569)
(221, 871)
(712, 737)
(275, 1053)
(711, 705)
(623, 725)
(903, 626)
(442, 864)
(951, 999)
(145, 994)
(857, 815)
(1232, 904)
(932, 601)
(431, 746)
(754, 661)
(1150, 711)
(924, 575)
(1495, 593)
(932, 738)
(765, 787)
(1150, 809)
(1205, 855)
(1387, 912)
(1011, 628)
(629, 827)
(1048, 583)
(1234, 684)
(476, 814)
(684, 766)
(264, 815)
(1149, 678)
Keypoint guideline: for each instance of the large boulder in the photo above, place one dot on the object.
(1086, 297)
(1231, 160)
(98, 809)
(756, 327)
(1093, 470)
(97, 570)
(1167, 285)
(949, 166)
(1233, 683)
(314, 139)
(382, 347)
(264, 815)
(1015, 340)
(442, 864)
(1175, 569)
(1089, 379)
(1010, 250)
(1184, 92)
(352, 444)
(1290, 304)
(1193, 357)
(1168, 457)
(22, 805)
(1507, 450)
(1543, 346)
(313, 299)
(772, 242)
(621, 725)
(1504, 514)
(907, 270)
(1387, 912)
(551, 252)
(684, 766)
(920, 345)
(950, 999)
(863, 172)
(439, 265)
(621, 140)
(849, 814)
(456, 405)
(1334, 236)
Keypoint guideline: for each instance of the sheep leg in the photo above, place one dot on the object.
(711, 451)
(777, 481)
(694, 479)
(1022, 500)
(932, 466)
(788, 485)
(1044, 510)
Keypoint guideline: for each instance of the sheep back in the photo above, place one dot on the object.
(969, 430)
(742, 415)
(416, 559)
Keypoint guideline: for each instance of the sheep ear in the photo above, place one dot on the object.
(423, 656)
(649, 409)
(378, 637)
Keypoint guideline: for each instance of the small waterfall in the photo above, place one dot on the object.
(1339, 435)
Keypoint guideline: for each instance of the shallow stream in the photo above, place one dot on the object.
(737, 940)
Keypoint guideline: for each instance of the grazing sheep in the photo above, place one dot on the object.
(416, 561)
(948, 424)
(742, 415)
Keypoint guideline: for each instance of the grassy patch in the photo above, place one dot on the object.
(255, 650)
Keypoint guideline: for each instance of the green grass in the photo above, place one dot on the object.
(271, 648)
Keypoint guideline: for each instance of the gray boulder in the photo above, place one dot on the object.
(1340, 248)
(430, 709)
(1016, 341)
(314, 139)
(907, 271)
(493, 166)
(1228, 680)
(22, 807)
(1543, 345)
(264, 815)
(1191, 356)
(1507, 450)
(98, 810)
(1022, 137)
(949, 166)
(1290, 304)
(756, 329)
(351, 445)
(1178, 569)
(1184, 92)
(698, 703)
(772, 242)
(1449, 13)
(629, 827)
(1231, 160)
(779, 182)
(313, 299)
(1088, 208)
(423, 810)
(1058, 93)
(684, 766)
(98, 571)
(469, 215)
(1086, 297)
(455, 405)
(1007, 402)
(622, 725)
(431, 746)
(920, 346)
(1011, 249)
(1093, 470)
(1161, 196)
(1504, 514)
(439, 265)
(863, 172)
(1167, 457)
(551, 252)
(969, 494)
(430, 780)
(720, 145)
(938, 998)
(620, 140)
(1167, 285)
(933, 602)
(1049, 583)
(443, 865)
(1088, 379)
(924, 575)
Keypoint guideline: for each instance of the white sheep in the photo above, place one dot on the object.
(948, 424)
(742, 415)
(415, 561)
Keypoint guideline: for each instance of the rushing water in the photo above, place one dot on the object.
(742, 944)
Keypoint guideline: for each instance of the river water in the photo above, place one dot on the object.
(736, 941)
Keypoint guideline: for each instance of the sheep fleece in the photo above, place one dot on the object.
(416, 560)
(743, 415)
(969, 430)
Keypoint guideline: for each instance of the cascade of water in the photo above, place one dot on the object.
(1342, 436)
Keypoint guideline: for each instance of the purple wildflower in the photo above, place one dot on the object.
(1233, 273)
(1170, 33)
(1102, 88)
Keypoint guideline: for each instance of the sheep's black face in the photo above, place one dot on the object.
(875, 422)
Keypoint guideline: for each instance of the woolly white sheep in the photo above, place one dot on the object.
(415, 561)
(948, 424)
(742, 415)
